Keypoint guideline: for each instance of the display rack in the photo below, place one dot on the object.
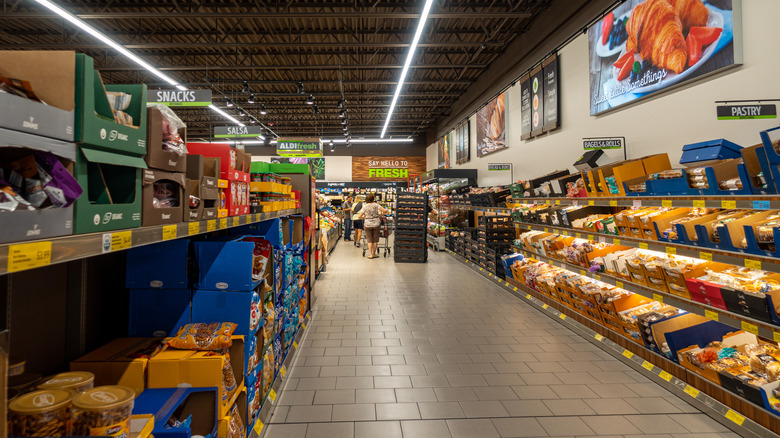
(655, 367)
(17, 257)
(439, 184)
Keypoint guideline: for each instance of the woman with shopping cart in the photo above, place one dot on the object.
(371, 215)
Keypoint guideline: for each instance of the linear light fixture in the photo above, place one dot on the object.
(339, 140)
(408, 63)
(122, 50)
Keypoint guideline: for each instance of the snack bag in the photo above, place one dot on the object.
(214, 336)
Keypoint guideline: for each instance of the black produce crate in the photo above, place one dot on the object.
(410, 251)
(411, 232)
(408, 260)
(491, 223)
(410, 206)
(403, 223)
(410, 245)
(412, 195)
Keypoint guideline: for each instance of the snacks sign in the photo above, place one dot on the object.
(386, 168)
(179, 97)
(646, 46)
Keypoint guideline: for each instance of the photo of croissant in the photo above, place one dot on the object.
(491, 126)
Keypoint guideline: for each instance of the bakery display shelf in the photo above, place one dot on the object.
(740, 322)
(722, 413)
(266, 409)
(15, 257)
(755, 202)
(770, 264)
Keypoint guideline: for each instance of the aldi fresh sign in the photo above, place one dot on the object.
(299, 147)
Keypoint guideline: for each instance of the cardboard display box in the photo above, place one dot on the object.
(217, 306)
(226, 265)
(156, 157)
(112, 190)
(120, 362)
(237, 197)
(167, 215)
(158, 312)
(164, 265)
(227, 155)
(190, 214)
(166, 404)
(52, 75)
(36, 224)
(95, 123)
(206, 170)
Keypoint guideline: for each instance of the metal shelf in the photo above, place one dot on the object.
(755, 202)
(715, 409)
(39, 253)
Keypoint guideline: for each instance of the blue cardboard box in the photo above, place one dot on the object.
(270, 230)
(162, 265)
(158, 312)
(711, 150)
(198, 404)
(700, 334)
(225, 265)
(227, 306)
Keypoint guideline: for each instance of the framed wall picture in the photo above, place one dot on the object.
(491, 126)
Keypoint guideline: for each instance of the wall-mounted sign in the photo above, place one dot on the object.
(550, 75)
(491, 126)
(603, 143)
(742, 112)
(537, 101)
(540, 106)
(635, 53)
(443, 145)
(299, 147)
(386, 168)
(235, 131)
(525, 107)
(500, 166)
(462, 146)
(179, 97)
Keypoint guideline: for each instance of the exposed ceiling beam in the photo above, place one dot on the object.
(269, 44)
(319, 67)
(212, 81)
(323, 14)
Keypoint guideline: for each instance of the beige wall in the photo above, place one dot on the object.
(656, 125)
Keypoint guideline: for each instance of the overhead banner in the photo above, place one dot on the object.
(299, 147)
(644, 47)
(235, 131)
(746, 112)
(386, 168)
(179, 97)
(462, 146)
(491, 128)
(551, 103)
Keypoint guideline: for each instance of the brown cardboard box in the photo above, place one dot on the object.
(189, 214)
(161, 216)
(206, 171)
(120, 362)
(156, 157)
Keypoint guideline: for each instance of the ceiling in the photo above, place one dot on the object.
(335, 48)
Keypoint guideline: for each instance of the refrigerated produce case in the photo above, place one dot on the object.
(441, 184)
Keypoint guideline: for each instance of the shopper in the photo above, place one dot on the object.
(347, 208)
(357, 223)
(371, 215)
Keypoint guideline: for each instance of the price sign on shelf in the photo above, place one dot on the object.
(613, 203)
(236, 221)
(705, 256)
(637, 203)
(735, 417)
(223, 223)
(599, 337)
(690, 390)
(193, 228)
(728, 205)
(616, 241)
(647, 365)
(272, 396)
(750, 328)
(666, 203)
(28, 256)
(619, 284)
(628, 354)
(211, 225)
(753, 264)
(699, 204)
(258, 427)
(671, 250)
(643, 245)
(711, 315)
(666, 376)
(658, 298)
(591, 203)
(169, 232)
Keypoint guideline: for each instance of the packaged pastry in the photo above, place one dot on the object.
(76, 381)
(731, 184)
(201, 336)
(235, 427)
(103, 411)
(46, 412)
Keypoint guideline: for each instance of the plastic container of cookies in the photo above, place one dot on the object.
(45, 412)
(103, 411)
(76, 381)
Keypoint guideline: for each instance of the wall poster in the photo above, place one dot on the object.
(551, 102)
(462, 146)
(537, 101)
(443, 146)
(491, 128)
(316, 165)
(525, 107)
(644, 47)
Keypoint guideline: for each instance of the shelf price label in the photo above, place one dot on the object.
(616, 241)
(750, 328)
(637, 203)
(619, 284)
(211, 225)
(545, 306)
(628, 354)
(28, 256)
(169, 232)
(223, 223)
(711, 315)
(760, 205)
(591, 203)
(699, 204)
(193, 228)
(272, 396)
(295, 345)
(579, 236)
(283, 371)
(658, 298)
(735, 417)
(597, 277)
(705, 256)
(753, 264)
(258, 426)
(666, 203)
(582, 272)
(666, 376)
(258, 217)
(690, 390)
(643, 245)
(776, 336)
(557, 202)
(647, 365)
(729, 205)
(613, 203)
(562, 316)
(546, 230)
(514, 289)
(236, 221)
(599, 338)
(590, 237)
(117, 241)
(528, 297)
(671, 250)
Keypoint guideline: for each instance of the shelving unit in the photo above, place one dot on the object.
(439, 184)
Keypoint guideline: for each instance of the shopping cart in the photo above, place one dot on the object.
(386, 228)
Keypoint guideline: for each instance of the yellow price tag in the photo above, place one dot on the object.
(236, 221)
(735, 417)
(295, 345)
(490, 274)
(515, 289)
(729, 205)
(613, 203)
(628, 354)
(579, 236)
(699, 204)
(272, 395)
(582, 272)
(643, 245)
(750, 328)
(211, 225)
(565, 233)
(258, 427)
(480, 269)
(28, 256)
(599, 337)
(562, 316)
(658, 298)
(705, 256)
(547, 202)
(671, 250)
(711, 315)
(304, 325)
(616, 241)
(193, 228)
(169, 232)
(690, 390)
(528, 297)
(223, 223)
(597, 277)
(258, 217)
(557, 202)
(591, 203)
(546, 230)
(776, 336)
(619, 284)
(590, 237)
(121, 240)
(753, 264)
(648, 366)
(545, 306)
(666, 376)
(666, 203)
(283, 371)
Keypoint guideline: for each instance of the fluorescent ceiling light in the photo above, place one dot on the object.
(121, 49)
(225, 115)
(408, 63)
(374, 140)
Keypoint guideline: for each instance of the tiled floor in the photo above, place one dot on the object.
(435, 350)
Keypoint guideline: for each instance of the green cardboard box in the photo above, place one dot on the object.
(112, 190)
(260, 167)
(95, 123)
(289, 168)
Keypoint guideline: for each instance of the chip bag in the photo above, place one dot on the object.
(201, 336)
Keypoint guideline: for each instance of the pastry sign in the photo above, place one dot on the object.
(743, 112)
(179, 97)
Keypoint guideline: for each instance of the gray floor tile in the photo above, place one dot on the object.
(354, 382)
(564, 407)
(375, 396)
(526, 408)
(285, 431)
(279, 414)
(460, 380)
(656, 423)
(471, 428)
(378, 429)
(354, 412)
(534, 392)
(540, 378)
(354, 360)
(309, 414)
(338, 371)
(483, 409)
(415, 395)
(565, 426)
(518, 427)
(425, 429)
(652, 405)
(330, 430)
(486, 393)
(435, 381)
(408, 370)
(503, 379)
(307, 384)
(611, 406)
(455, 394)
(296, 398)
(611, 425)
(372, 370)
(699, 423)
(392, 382)
(397, 411)
(334, 396)
(441, 410)
(390, 359)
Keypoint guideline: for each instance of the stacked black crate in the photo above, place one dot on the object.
(496, 234)
(411, 220)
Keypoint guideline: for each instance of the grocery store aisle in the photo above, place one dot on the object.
(435, 350)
